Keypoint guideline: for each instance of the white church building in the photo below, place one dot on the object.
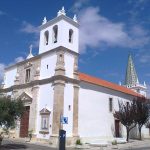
(53, 89)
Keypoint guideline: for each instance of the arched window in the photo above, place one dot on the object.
(55, 33)
(70, 36)
(46, 36)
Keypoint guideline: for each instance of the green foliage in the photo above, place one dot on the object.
(78, 142)
(10, 111)
(30, 134)
(114, 142)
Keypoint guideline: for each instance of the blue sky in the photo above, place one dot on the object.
(109, 31)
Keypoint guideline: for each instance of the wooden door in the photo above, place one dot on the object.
(117, 128)
(24, 124)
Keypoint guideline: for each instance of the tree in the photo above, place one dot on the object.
(10, 111)
(147, 125)
(126, 115)
(142, 113)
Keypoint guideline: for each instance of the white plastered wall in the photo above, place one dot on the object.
(46, 94)
(50, 60)
(95, 119)
(69, 65)
(10, 77)
(68, 100)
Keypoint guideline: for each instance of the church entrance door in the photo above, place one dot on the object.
(24, 124)
(117, 128)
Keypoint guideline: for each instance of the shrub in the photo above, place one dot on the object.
(78, 142)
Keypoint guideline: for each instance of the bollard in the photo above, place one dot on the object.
(62, 139)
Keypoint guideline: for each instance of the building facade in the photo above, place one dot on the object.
(58, 96)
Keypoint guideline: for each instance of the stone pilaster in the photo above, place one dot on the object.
(58, 106)
(60, 65)
(16, 81)
(75, 110)
(33, 109)
(75, 69)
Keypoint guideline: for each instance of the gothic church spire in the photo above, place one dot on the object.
(131, 78)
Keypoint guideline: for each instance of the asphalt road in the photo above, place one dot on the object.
(13, 145)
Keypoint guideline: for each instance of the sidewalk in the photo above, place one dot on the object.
(132, 145)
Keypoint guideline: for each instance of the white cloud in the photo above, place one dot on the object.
(2, 66)
(19, 59)
(137, 6)
(96, 31)
(145, 59)
(29, 28)
(79, 4)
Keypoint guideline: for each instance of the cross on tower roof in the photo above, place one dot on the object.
(30, 54)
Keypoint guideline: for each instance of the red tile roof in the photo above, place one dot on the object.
(106, 84)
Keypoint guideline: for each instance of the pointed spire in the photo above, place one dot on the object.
(75, 18)
(144, 83)
(30, 54)
(131, 78)
(44, 20)
(61, 12)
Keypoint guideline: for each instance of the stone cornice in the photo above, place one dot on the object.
(55, 20)
(60, 48)
(41, 82)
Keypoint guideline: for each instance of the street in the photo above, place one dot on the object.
(14, 145)
(10, 144)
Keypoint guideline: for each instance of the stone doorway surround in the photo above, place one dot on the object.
(25, 119)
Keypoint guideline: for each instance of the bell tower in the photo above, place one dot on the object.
(60, 31)
(131, 79)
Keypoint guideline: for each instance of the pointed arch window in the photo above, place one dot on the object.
(46, 37)
(55, 33)
(70, 36)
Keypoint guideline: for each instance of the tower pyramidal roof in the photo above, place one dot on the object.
(131, 78)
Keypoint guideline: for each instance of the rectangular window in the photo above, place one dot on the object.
(27, 75)
(110, 104)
